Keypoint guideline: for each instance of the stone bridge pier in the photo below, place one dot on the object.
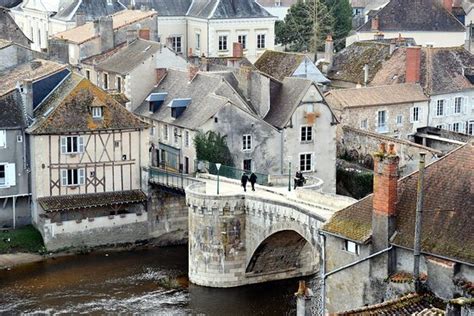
(242, 239)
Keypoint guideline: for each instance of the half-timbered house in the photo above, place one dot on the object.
(87, 157)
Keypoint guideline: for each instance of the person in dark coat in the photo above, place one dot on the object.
(244, 180)
(253, 180)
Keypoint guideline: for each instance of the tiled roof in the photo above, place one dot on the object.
(279, 64)
(82, 201)
(124, 60)
(67, 110)
(411, 304)
(420, 15)
(448, 196)
(375, 96)
(92, 9)
(442, 69)
(11, 111)
(34, 70)
(85, 32)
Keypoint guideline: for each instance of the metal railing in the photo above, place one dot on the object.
(228, 172)
(170, 179)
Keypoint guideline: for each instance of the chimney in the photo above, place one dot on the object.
(26, 90)
(237, 50)
(413, 63)
(329, 51)
(106, 30)
(192, 72)
(448, 5)
(190, 52)
(379, 36)
(375, 23)
(80, 18)
(160, 74)
(204, 63)
(366, 74)
(96, 28)
(131, 36)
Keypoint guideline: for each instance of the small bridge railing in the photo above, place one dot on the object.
(228, 172)
(169, 178)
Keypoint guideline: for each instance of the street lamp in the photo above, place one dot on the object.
(289, 173)
(218, 166)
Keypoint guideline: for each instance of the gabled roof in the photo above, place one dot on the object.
(419, 15)
(9, 30)
(279, 64)
(448, 195)
(67, 110)
(12, 114)
(124, 60)
(92, 9)
(375, 96)
(120, 19)
(237, 9)
(443, 70)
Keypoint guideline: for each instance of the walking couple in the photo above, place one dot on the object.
(245, 178)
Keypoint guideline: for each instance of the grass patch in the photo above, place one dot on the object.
(25, 239)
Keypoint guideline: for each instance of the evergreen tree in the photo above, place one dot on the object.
(341, 10)
(213, 147)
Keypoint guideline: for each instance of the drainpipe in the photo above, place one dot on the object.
(326, 275)
(418, 223)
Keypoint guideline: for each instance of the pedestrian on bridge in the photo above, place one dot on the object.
(244, 180)
(253, 180)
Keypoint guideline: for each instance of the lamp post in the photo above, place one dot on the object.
(218, 166)
(289, 173)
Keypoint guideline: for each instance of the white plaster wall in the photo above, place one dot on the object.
(449, 118)
(437, 39)
(171, 26)
(141, 81)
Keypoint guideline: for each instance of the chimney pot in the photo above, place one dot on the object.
(413, 63)
(237, 50)
(192, 72)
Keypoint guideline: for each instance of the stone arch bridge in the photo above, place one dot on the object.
(238, 238)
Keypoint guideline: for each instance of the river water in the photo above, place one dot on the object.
(152, 281)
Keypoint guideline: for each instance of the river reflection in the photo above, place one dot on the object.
(132, 282)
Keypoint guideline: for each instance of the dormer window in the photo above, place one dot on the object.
(178, 106)
(155, 100)
(97, 112)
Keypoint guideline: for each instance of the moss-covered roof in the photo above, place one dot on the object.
(279, 64)
(447, 228)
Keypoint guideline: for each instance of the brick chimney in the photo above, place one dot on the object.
(375, 23)
(413, 64)
(448, 5)
(237, 50)
(192, 72)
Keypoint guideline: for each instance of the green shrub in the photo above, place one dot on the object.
(25, 239)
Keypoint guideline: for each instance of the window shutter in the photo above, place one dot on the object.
(80, 144)
(64, 177)
(10, 174)
(465, 105)
(3, 138)
(63, 145)
(82, 176)
(420, 114)
(412, 110)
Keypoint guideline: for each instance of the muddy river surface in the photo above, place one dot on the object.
(152, 282)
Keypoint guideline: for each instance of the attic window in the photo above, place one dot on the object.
(97, 112)
(178, 106)
(155, 100)
(351, 247)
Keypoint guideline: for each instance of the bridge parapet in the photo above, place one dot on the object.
(241, 239)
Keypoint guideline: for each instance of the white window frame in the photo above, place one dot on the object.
(197, 44)
(105, 78)
(3, 138)
(246, 142)
(261, 44)
(458, 101)
(97, 112)
(440, 109)
(399, 120)
(67, 142)
(384, 123)
(363, 124)
(174, 43)
(305, 168)
(242, 39)
(73, 177)
(459, 129)
(351, 247)
(415, 114)
(304, 132)
(165, 132)
(186, 138)
(223, 42)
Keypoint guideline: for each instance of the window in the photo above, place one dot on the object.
(198, 41)
(457, 105)
(306, 133)
(7, 175)
(247, 165)
(260, 41)
(175, 135)
(176, 43)
(305, 162)
(440, 108)
(19, 138)
(439, 126)
(72, 144)
(399, 119)
(216, 120)
(309, 108)
(247, 142)
(119, 84)
(3, 138)
(222, 42)
(72, 177)
(470, 128)
(456, 127)
(165, 132)
(416, 114)
(382, 122)
(106, 81)
(351, 247)
(97, 112)
(88, 74)
(363, 124)
(186, 138)
(3, 175)
(242, 39)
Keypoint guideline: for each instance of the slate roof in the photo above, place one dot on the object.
(163, 7)
(9, 30)
(236, 9)
(9, 3)
(81, 201)
(442, 69)
(34, 70)
(11, 111)
(92, 9)
(420, 15)
(124, 60)
(208, 93)
(410, 304)
(85, 32)
(448, 196)
(374, 96)
(67, 110)
(279, 64)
